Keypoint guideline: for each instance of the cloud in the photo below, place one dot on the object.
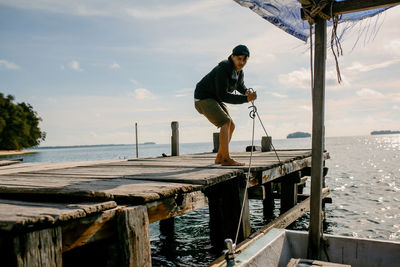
(114, 65)
(157, 12)
(393, 47)
(278, 95)
(184, 92)
(74, 65)
(296, 79)
(118, 8)
(356, 66)
(306, 107)
(369, 93)
(143, 93)
(8, 65)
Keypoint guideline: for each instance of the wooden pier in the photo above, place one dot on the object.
(54, 214)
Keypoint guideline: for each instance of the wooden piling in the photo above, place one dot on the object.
(268, 202)
(225, 203)
(266, 143)
(167, 226)
(215, 142)
(175, 138)
(134, 237)
(289, 191)
(318, 98)
(38, 248)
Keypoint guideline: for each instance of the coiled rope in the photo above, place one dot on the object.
(253, 114)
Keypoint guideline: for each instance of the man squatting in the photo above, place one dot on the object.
(216, 88)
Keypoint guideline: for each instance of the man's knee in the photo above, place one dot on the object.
(232, 126)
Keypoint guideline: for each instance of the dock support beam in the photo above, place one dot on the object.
(167, 226)
(289, 191)
(225, 203)
(134, 237)
(318, 98)
(38, 248)
(268, 202)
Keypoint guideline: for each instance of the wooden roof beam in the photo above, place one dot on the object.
(350, 6)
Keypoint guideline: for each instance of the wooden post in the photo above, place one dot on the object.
(289, 191)
(39, 248)
(268, 202)
(167, 226)
(134, 237)
(175, 139)
(266, 143)
(137, 145)
(216, 142)
(318, 98)
(225, 202)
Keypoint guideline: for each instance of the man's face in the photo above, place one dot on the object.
(239, 61)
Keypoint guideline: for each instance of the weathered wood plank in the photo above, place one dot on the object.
(175, 205)
(18, 215)
(124, 191)
(8, 162)
(37, 166)
(172, 174)
(89, 229)
(134, 237)
(295, 165)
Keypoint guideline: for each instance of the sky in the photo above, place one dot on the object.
(92, 69)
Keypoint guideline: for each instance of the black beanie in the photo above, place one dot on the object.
(241, 50)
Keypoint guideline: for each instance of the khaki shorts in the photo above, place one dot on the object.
(216, 112)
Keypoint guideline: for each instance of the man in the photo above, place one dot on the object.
(217, 87)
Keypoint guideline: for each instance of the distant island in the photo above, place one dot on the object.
(298, 135)
(384, 132)
(149, 143)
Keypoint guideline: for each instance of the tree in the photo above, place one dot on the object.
(19, 125)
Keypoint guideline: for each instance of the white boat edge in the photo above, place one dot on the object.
(278, 246)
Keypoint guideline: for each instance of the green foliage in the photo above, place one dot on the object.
(19, 125)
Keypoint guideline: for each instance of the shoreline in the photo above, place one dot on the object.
(15, 152)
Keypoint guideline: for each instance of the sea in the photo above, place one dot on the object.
(363, 177)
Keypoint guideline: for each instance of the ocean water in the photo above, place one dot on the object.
(364, 178)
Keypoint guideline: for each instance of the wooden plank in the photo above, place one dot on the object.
(279, 171)
(8, 162)
(172, 174)
(37, 166)
(39, 248)
(19, 215)
(176, 205)
(125, 191)
(89, 229)
(318, 137)
(134, 237)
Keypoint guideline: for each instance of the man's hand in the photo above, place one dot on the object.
(251, 96)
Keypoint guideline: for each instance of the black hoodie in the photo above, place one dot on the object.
(220, 84)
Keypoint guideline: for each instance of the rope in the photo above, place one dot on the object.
(253, 114)
(311, 10)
